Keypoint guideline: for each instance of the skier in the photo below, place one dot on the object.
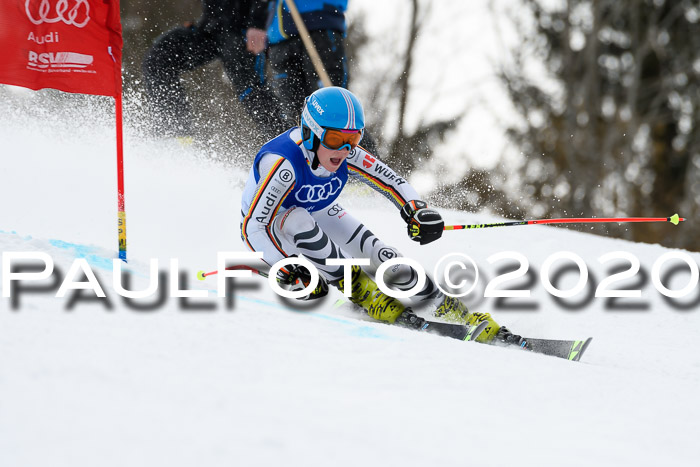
(226, 31)
(289, 208)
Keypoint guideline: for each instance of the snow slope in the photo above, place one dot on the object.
(96, 382)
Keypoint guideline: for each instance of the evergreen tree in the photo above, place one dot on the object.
(609, 127)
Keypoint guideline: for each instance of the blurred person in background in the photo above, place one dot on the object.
(294, 76)
(220, 33)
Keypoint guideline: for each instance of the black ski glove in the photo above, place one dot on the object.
(424, 225)
(296, 277)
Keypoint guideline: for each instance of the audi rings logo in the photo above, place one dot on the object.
(316, 193)
(70, 12)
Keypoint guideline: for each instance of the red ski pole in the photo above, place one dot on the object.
(587, 220)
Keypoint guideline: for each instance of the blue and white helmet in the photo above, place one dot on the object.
(330, 107)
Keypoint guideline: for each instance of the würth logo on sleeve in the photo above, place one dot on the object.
(71, 12)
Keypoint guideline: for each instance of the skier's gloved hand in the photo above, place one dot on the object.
(424, 225)
(296, 277)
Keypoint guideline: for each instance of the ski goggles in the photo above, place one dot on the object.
(337, 140)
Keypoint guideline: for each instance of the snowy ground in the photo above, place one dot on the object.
(96, 382)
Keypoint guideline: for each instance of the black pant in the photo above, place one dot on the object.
(186, 48)
(294, 76)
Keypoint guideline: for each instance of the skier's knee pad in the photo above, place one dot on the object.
(401, 276)
(381, 252)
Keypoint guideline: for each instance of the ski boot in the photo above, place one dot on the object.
(505, 337)
(366, 293)
(454, 311)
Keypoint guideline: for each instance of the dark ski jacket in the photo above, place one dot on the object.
(232, 15)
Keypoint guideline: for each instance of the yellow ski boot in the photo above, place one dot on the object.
(454, 311)
(366, 294)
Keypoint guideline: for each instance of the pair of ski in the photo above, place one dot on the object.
(567, 349)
